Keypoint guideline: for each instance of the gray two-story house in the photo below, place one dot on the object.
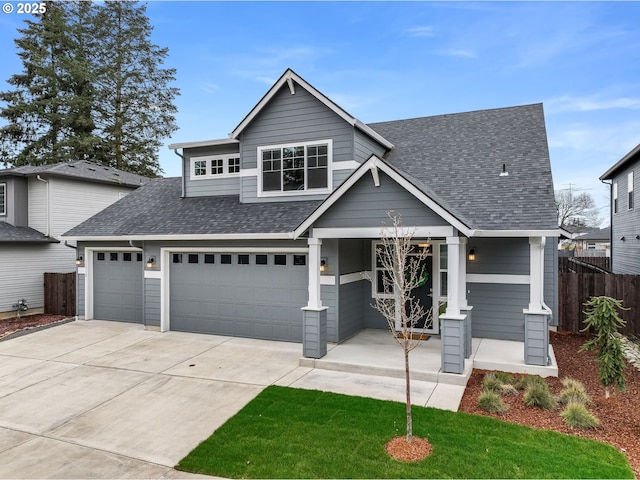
(625, 213)
(272, 232)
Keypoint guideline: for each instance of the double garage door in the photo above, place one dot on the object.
(256, 295)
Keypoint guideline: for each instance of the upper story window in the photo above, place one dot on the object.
(3, 198)
(215, 166)
(615, 197)
(301, 168)
(630, 189)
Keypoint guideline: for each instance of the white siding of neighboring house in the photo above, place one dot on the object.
(22, 266)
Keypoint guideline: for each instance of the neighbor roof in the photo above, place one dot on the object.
(457, 160)
(13, 234)
(79, 170)
(633, 155)
(156, 209)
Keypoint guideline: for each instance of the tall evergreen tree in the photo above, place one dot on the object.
(92, 87)
(134, 102)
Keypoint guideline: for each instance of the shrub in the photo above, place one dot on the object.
(505, 378)
(573, 391)
(492, 402)
(491, 383)
(576, 415)
(524, 382)
(507, 389)
(538, 395)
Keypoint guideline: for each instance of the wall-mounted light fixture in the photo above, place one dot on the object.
(622, 238)
(323, 264)
(151, 261)
(80, 261)
(471, 256)
(637, 237)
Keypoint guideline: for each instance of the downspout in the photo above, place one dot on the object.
(184, 184)
(610, 223)
(48, 205)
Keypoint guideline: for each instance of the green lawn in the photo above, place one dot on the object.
(291, 433)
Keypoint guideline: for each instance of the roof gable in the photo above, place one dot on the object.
(633, 155)
(292, 80)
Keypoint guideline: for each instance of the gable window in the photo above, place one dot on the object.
(615, 197)
(3, 198)
(295, 169)
(215, 166)
(630, 189)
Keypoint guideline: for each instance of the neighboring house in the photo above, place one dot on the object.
(272, 233)
(594, 243)
(625, 213)
(37, 205)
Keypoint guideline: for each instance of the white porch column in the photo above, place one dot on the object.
(314, 272)
(453, 282)
(536, 268)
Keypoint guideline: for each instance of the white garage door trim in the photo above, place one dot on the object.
(88, 278)
(165, 255)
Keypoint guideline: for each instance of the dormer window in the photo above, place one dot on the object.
(294, 169)
(215, 166)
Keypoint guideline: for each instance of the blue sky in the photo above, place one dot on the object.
(391, 60)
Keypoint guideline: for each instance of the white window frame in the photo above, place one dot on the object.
(209, 159)
(435, 267)
(615, 197)
(306, 191)
(3, 195)
(630, 197)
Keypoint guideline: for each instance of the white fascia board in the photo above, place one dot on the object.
(373, 134)
(378, 232)
(515, 233)
(204, 143)
(231, 236)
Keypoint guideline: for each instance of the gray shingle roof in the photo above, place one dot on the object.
(157, 209)
(457, 159)
(80, 170)
(12, 234)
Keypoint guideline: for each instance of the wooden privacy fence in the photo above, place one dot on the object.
(584, 264)
(574, 289)
(60, 293)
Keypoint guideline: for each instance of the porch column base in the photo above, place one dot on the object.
(314, 332)
(453, 343)
(536, 337)
(467, 331)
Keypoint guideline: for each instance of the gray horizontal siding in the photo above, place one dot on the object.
(365, 146)
(498, 310)
(625, 254)
(551, 277)
(366, 205)
(152, 301)
(500, 256)
(289, 119)
(351, 308)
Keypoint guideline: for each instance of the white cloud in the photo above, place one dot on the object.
(421, 31)
(208, 87)
(458, 52)
(589, 104)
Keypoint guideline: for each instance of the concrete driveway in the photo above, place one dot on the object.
(110, 400)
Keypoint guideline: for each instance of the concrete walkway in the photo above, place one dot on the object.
(103, 399)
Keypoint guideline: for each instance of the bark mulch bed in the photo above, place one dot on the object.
(619, 415)
(11, 326)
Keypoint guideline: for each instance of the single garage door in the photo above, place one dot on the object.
(117, 286)
(256, 295)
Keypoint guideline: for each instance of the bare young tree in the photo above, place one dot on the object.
(403, 271)
(576, 212)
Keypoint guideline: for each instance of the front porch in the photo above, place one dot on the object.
(373, 352)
